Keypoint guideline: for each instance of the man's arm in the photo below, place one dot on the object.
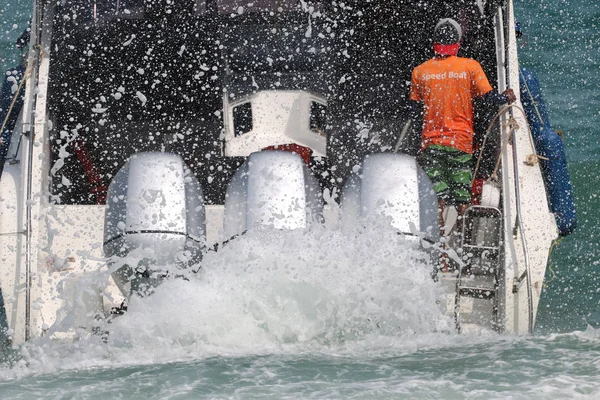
(482, 87)
(497, 99)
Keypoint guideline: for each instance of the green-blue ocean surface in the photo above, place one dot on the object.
(250, 330)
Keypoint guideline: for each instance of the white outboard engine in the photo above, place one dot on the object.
(154, 221)
(272, 188)
(393, 186)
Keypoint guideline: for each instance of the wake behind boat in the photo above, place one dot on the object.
(151, 131)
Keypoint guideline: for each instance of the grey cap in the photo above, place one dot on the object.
(447, 31)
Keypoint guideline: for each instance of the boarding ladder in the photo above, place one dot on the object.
(478, 278)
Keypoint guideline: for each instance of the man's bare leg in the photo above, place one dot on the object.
(444, 255)
(441, 207)
(460, 209)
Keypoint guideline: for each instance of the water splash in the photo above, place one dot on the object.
(322, 290)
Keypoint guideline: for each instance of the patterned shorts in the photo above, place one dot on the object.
(450, 171)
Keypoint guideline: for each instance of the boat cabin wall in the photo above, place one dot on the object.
(151, 76)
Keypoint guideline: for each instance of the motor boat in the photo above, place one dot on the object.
(151, 130)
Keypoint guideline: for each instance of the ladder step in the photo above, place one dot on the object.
(478, 270)
(480, 246)
(478, 292)
(492, 251)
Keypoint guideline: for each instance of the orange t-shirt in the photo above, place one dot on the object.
(447, 87)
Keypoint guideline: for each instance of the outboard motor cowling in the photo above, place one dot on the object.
(393, 186)
(272, 188)
(154, 220)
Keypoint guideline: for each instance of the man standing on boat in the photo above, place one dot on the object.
(445, 87)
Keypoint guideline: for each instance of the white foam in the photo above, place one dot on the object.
(272, 292)
(279, 287)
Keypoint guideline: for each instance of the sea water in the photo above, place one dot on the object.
(320, 331)
(322, 313)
